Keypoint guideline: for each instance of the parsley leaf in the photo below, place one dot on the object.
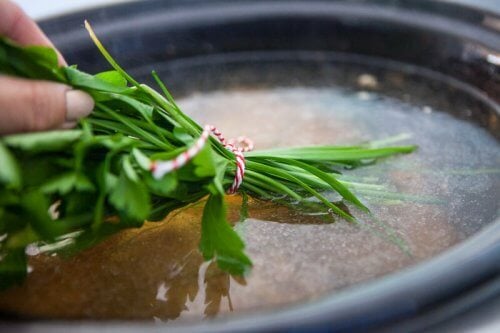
(219, 240)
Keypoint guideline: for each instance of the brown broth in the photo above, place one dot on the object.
(156, 272)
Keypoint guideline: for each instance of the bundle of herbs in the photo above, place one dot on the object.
(69, 189)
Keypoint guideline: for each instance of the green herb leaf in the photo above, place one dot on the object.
(13, 268)
(141, 159)
(9, 170)
(331, 153)
(67, 182)
(164, 186)
(43, 141)
(36, 207)
(112, 77)
(80, 79)
(130, 198)
(219, 240)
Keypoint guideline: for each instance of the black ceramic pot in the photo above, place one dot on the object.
(460, 45)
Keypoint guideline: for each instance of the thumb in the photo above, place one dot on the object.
(15, 24)
(29, 105)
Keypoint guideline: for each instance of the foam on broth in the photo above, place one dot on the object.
(156, 272)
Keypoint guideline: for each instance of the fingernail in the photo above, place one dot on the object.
(78, 105)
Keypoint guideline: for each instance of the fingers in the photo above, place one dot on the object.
(29, 105)
(15, 24)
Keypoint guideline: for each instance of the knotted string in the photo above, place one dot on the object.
(237, 146)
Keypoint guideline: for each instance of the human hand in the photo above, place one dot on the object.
(31, 105)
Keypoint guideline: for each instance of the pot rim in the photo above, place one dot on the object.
(410, 292)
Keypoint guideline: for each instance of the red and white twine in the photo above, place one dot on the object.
(237, 146)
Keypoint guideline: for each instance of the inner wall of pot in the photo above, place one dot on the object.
(455, 41)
